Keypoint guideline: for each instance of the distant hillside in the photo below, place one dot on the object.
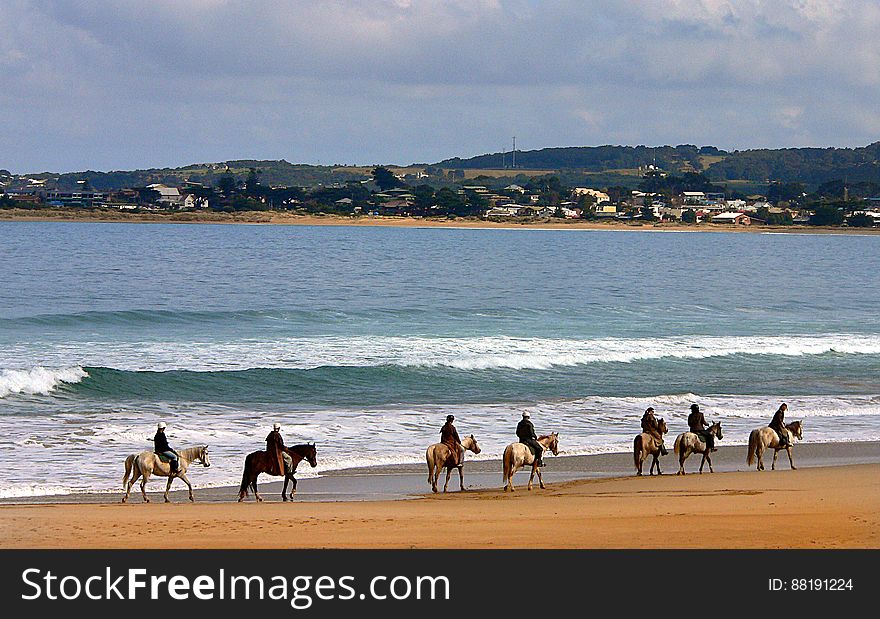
(595, 158)
(271, 173)
(811, 166)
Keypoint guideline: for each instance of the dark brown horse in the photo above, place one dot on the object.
(264, 462)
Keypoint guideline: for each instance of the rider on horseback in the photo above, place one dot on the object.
(525, 431)
(652, 427)
(449, 437)
(162, 448)
(698, 424)
(778, 424)
(275, 445)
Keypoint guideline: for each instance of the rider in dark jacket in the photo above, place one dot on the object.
(525, 431)
(651, 426)
(161, 447)
(698, 424)
(778, 424)
(449, 437)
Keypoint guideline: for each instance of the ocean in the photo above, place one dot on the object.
(364, 339)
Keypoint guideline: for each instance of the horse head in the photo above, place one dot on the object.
(716, 430)
(661, 424)
(203, 456)
(473, 446)
(553, 444)
(797, 429)
(311, 454)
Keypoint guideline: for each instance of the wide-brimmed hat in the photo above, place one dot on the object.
(526, 415)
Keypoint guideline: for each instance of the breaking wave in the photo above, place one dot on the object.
(38, 380)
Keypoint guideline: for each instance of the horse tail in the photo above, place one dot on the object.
(508, 464)
(129, 463)
(677, 445)
(242, 491)
(430, 460)
(637, 449)
(753, 446)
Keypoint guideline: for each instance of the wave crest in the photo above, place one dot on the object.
(37, 380)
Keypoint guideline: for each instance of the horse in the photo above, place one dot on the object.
(646, 444)
(687, 443)
(149, 463)
(518, 454)
(264, 462)
(439, 455)
(762, 438)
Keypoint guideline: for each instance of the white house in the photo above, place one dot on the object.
(601, 196)
(167, 195)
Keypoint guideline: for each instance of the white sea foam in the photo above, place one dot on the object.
(37, 380)
(96, 442)
(463, 353)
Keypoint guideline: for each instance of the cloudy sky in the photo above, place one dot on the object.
(117, 84)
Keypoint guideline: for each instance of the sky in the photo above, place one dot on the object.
(122, 84)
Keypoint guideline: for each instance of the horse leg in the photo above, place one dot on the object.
(144, 478)
(703, 461)
(540, 479)
(448, 473)
(435, 475)
(167, 488)
(532, 475)
(461, 478)
(284, 488)
(760, 454)
(681, 459)
(188, 485)
(256, 494)
(639, 466)
(709, 460)
(790, 460)
(775, 455)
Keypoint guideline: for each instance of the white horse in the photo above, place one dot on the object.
(687, 443)
(516, 455)
(766, 437)
(439, 455)
(149, 463)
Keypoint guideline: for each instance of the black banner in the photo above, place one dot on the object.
(400, 583)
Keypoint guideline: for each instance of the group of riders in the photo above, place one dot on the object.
(274, 446)
(698, 425)
(525, 432)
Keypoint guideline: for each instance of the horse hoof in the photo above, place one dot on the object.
(794, 468)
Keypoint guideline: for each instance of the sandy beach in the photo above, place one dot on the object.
(824, 504)
(294, 219)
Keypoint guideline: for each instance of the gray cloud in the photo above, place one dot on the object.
(113, 84)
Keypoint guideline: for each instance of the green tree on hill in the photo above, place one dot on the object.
(385, 179)
(827, 215)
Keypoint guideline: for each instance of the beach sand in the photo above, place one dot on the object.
(289, 218)
(823, 504)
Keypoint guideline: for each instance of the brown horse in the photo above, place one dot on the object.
(264, 462)
(646, 444)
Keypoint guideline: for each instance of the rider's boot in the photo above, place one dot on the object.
(663, 450)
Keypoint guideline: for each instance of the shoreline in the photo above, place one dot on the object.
(292, 219)
(397, 482)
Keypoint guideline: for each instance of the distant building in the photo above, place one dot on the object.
(168, 196)
(601, 196)
(739, 219)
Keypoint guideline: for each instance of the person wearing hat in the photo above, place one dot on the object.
(698, 424)
(525, 431)
(162, 448)
(449, 437)
(650, 425)
(275, 446)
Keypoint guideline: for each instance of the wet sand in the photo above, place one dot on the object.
(826, 503)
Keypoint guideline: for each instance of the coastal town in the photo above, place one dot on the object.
(659, 197)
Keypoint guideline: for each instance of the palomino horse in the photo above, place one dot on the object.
(687, 443)
(762, 438)
(264, 462)
(148, 463)
(518, 454)
(439, 455)
(646, 444)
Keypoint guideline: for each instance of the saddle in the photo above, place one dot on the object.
(163, 458)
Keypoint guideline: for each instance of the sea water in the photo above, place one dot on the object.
(364, 339)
